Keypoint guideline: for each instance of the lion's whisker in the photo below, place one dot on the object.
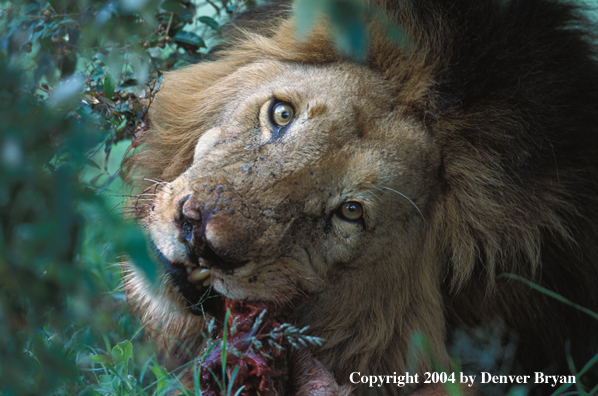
(128, 195)
(379, 199)
(157, 181)
(406, 197)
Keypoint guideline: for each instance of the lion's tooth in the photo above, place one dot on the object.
(200, 274)
(208, 281)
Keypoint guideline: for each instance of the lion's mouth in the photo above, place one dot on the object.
(194, 284)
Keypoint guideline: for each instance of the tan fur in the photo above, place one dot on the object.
(367, 133)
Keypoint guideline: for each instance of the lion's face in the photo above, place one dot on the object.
(296, 190)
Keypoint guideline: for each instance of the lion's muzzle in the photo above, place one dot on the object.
(200, 232)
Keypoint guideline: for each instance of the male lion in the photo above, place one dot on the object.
(381, 199)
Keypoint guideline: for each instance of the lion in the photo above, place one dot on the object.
(404, 195)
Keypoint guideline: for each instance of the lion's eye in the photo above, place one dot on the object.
(351, 210)
(282, 113)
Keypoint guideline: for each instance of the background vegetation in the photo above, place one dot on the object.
(74, 75)
(74, 79)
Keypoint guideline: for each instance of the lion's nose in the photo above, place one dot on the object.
(191, 209)
(192, 225)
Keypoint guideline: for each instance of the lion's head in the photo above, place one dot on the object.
(377, 199)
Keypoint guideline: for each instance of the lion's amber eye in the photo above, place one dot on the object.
(282, 113)
(351, 210)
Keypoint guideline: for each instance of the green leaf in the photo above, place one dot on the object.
(349, 27)
(101, 359)
(119, 369)
(67, 21)
(104, 99)
(92, 163)
(238, 392)
(210, 22)
(224, 347)
(132, 241)
(15, 24)
(106, 380)
(122, 352)
(232, 380)
(97, 73)
(68, 92)
(180, 64)
(398, 35)
(189, 38)
(49, 28)
(550, 293)
(31, 8)
(173, 6)
(109, 85)
(59, 5)
(101, 58)
(37, 35)
(162, 377)
(307, 12)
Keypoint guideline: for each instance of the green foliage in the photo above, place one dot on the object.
(591, 365)
(117, 374)
(349, 20)
(550, 293)
(77, 77)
